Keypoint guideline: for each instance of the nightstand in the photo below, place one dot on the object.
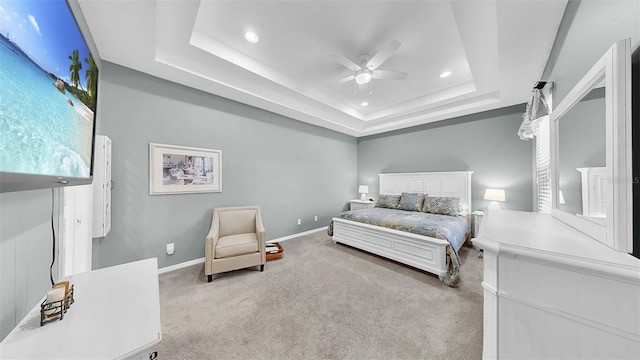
(361, 204)
(476, 221)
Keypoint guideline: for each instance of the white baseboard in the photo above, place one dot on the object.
(181, 265)
(297, 235)
(201, 260)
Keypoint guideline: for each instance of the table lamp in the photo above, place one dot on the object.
(363, 189)
(494, 195)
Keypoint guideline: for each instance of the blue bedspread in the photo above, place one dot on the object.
(454, 229)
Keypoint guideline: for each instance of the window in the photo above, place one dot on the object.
(536, 124)
(543, 165)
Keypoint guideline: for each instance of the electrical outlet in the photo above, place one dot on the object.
(299, 221)
(170, 249)
(315, 218)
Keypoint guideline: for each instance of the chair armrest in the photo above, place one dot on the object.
(210, 242)
(259, 225)
(260, 234)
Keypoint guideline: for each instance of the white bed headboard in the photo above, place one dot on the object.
(449, 183)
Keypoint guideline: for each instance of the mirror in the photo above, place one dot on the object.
(591, 152)
(581, 158)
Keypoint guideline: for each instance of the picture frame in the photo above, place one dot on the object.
(180, 169)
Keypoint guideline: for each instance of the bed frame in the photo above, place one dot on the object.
(422, 252)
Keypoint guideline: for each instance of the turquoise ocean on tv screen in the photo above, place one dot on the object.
(41, 133)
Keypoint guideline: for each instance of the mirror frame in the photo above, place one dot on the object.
(614, 71)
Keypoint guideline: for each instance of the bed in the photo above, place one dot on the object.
(423, 239)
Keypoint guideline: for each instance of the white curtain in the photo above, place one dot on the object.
(539, 105)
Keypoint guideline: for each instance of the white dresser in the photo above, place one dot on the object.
(551, 292)
(116, 315)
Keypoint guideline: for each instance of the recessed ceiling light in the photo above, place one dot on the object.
(445, 74)
(251, 37)
(364, 103)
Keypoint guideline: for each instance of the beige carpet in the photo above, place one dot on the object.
(322, 301)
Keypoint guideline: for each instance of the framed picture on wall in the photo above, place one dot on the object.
(180, 169)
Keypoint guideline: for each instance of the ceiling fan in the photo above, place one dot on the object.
(368, 68)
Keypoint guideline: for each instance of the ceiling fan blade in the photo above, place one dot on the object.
(388, 75)
(347, 79)
(382, 55)
(346, 62)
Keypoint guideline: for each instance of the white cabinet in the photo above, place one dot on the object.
(85, 213)
(102, 186)
(75, 229)
(551, 292)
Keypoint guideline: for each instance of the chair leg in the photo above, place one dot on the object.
(209, 278)
(261, 267)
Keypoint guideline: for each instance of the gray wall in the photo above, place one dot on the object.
(486, 143)
(291, 169)
(587, 31)
(25, 253)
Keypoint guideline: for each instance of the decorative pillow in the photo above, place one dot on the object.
(441, 205)
(388, 201)
(411, 201)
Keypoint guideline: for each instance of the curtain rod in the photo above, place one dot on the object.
(541, 84)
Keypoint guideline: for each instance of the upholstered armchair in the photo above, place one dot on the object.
(235, 241)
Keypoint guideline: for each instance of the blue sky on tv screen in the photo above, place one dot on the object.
(47, 32)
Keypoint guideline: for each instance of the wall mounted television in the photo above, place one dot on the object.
(48, 92)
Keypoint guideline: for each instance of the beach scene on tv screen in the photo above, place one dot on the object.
(48, 84)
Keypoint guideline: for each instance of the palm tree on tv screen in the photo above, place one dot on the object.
(75, 67)
(92, 76)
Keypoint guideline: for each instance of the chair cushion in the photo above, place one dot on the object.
(234, 245)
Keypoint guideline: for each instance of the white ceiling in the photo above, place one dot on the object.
(495, 49)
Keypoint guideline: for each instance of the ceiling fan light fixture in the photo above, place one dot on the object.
(364, 103)
(251, 37)
(445, 74)
(363, 77)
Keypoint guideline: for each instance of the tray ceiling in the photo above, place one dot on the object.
(495, 51)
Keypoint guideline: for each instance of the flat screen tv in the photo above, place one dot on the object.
(48, 91)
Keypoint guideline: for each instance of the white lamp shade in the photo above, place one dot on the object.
(363, 189)
(494, 195)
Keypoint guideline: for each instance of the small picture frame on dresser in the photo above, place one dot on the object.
(357, 204)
